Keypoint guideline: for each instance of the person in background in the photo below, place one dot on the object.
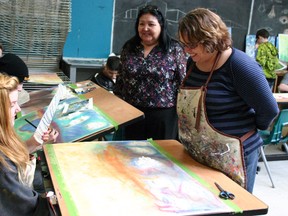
(223, 101)
(107, 77)
(16, 169)
(266, 56)
(283, 86)
(13, 65)
(152, 67)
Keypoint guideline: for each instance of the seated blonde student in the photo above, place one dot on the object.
(17, 197)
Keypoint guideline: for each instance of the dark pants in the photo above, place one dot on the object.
(271, 83)
(38, 182)
(159, 124)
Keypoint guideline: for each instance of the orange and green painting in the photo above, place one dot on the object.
(127, 178)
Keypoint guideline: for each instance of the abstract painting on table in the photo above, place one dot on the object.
(127, 178)
(72, 126)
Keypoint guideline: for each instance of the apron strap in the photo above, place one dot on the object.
(247, 135)
(199, 108)
(213, 68)
(203, 90)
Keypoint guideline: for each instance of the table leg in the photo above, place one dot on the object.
(72, 73)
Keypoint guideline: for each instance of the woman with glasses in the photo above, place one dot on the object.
(152, 68)
(223, 101)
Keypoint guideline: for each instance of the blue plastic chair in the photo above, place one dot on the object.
(275, 137)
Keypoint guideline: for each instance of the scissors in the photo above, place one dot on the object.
(224, 194)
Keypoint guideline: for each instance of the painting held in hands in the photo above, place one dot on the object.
(76, 124)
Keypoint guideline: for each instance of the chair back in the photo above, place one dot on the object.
(281, 121)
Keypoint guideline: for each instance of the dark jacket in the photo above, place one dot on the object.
(103, 81)
(17, 199)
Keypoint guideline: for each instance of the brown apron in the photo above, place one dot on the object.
(204, 143)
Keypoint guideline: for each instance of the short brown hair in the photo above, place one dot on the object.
(206, 27)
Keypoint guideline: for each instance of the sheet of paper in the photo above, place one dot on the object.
(48, 115)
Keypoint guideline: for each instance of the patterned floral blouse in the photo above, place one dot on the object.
(151, 82)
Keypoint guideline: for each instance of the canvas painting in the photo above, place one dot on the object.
(250, 45)
(38, 100)
(283, 47)
(45, 78)
(73, 125)
(128, 178)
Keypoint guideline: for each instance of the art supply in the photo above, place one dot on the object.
(30, 123)
(224, 194)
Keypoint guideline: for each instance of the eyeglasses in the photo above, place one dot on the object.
(190, 45)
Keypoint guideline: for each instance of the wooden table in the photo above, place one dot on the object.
(69, 191)
(119, 110)
(250, 204)
(281, 97)
(279, 76)
(116, 109)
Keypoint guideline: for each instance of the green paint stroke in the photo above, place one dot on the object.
(232, 205)
(19, 115)
(109, 118)
(70, 203)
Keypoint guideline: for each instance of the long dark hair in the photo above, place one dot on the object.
(164, 39)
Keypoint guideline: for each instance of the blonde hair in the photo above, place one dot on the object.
(10, 144)
(206, 27)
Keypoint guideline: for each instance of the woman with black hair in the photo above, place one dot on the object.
(152, 68)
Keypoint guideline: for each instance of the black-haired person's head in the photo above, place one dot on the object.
(164, 38)
(13, 65)
(111, 68)
(262, 33)
(262, 36)
(113, 62)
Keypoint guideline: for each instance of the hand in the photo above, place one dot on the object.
(50, 135)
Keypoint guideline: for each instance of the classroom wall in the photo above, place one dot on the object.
(91, 29)
(98, 28)
(271, 15)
